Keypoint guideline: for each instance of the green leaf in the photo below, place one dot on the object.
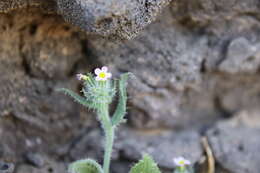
(146, 165)
(76, 97)
(120, 111)
(85, 166)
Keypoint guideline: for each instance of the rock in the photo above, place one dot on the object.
(248, 118)
(51, 167)
(90, 145)
(235, 145)
(241, 57)
(29, 103)
(216, 18)
(6, 167)
(121, 18)
(120, 166)
(35, 159)
(163, 146)
(223, 23)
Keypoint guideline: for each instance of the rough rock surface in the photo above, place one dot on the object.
(52, 166)
(119, 18)
(235, 143)
(169, 144)
(6, 167)
(196, 67)
(31, 69)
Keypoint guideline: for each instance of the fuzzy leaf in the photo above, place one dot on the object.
(76, 97)
(120, 111)
(146, 165)
(85, 166)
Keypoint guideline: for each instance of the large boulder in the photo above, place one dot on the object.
(118, 18)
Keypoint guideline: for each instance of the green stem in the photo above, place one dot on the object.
(108, 149)
(182, 169)
(109, 136)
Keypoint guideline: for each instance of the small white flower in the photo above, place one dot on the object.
(102, 74)
(181, 162)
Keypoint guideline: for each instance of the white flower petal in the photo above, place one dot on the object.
(104, 69)
(109, 75)
(187, 162)
(175, 160)
(97, 71)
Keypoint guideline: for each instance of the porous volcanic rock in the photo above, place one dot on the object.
(119, 18)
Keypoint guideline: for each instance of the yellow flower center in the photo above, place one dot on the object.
(181, 162)
(102, 74)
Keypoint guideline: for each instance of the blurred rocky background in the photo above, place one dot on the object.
(196, 90)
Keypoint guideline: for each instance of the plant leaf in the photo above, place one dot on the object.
(120, 111)
(85, 166)
(146, 165)
(81, 100)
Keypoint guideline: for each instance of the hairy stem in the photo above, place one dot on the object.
(108, 148)
(109, 136)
